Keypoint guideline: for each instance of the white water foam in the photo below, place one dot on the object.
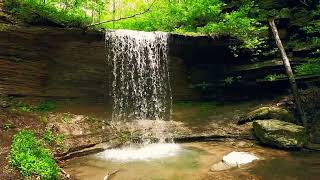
(144, 153)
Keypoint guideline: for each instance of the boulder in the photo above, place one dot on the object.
(239, 158)
(280, 134)
(234, 159)
(267, 113)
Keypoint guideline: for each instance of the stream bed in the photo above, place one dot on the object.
(193, 161)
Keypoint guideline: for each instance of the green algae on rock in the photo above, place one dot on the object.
(280, 134)
(267, 113)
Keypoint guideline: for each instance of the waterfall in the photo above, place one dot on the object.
(140, 77)
(141, 92)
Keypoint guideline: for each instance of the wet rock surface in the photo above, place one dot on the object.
(269, 112)
(280, 134)
(233, 159)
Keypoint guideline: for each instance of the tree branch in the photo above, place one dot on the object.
(109, 176)
(128, 17)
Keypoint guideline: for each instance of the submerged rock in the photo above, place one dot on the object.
(233, 159)
(220, 166)
(280, 134)
(267, 113)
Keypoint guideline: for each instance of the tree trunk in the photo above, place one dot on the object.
(113, 12)
(289, 72)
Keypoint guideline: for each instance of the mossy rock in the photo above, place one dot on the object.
(267, 113)
(280, 134)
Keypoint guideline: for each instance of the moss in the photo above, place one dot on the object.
(280, 134)
(268, 113)
(6, 27)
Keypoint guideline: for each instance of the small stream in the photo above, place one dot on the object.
(194, 161)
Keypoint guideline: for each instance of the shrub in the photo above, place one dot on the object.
(312, 67)
(43, 106)
(29, 155)
(53, 139)
(24, 107)
(274, 77)
(36, 12)
(7, 126)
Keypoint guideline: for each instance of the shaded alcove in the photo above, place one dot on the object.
(71, 63)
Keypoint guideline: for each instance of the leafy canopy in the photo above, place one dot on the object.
(213, 17)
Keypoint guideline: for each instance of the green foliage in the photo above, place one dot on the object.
(187, 17)
(7, 126)
(43, 106)
(124, 136)
(240, 24)
(308, 24)
(29, 155)
(202, 17)
(44, 118)
(53, 139)
(231, 80)
(48, 136)
(91, 119)
(66, 117)
(244, 19)
(274, 77)
(24, 107)
(313, 26)
(37, 12)
(312, 67)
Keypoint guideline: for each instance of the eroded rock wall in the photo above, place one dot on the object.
(65, 63)
(71, 63)
(51, 62)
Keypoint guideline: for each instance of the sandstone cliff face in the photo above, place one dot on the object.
(71, 63)
(51, 62)
(64, 63)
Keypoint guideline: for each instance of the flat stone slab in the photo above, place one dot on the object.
(238, 158)
(233, 159)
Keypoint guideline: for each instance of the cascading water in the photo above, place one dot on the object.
(140, 91)
(140, 77)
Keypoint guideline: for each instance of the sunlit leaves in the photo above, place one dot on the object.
(187, 16)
